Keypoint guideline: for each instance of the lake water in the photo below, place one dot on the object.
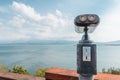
(63, 56)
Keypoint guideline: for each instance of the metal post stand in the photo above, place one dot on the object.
(86, 49)
(86, 78)
(85, 40)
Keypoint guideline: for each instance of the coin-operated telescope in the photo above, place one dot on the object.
(86, 49)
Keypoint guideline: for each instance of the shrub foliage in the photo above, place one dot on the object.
(111, 70)
(19, 69)
(40, 72)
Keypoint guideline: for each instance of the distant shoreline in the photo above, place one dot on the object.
(112, 44)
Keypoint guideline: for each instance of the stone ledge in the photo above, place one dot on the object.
(64, 74)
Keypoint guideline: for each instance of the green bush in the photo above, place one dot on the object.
(19, 69)
(40, 72)
(111, 70)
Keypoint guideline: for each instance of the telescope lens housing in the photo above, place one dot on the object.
(91, 18)
(87, 20)
(83, 18)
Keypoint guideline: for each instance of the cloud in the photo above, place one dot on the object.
(7, 34)
(58, 13)
(28, 24)
(109, 28)
(17, 21)
(26, 11)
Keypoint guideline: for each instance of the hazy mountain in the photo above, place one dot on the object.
(45, 42)
(113, 43)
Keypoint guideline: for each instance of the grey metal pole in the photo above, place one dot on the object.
(85, 37)
(86, 77)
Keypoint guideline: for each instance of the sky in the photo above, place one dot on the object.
(24, 20)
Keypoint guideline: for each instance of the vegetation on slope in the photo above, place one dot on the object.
(40, 72)
(111, 70)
